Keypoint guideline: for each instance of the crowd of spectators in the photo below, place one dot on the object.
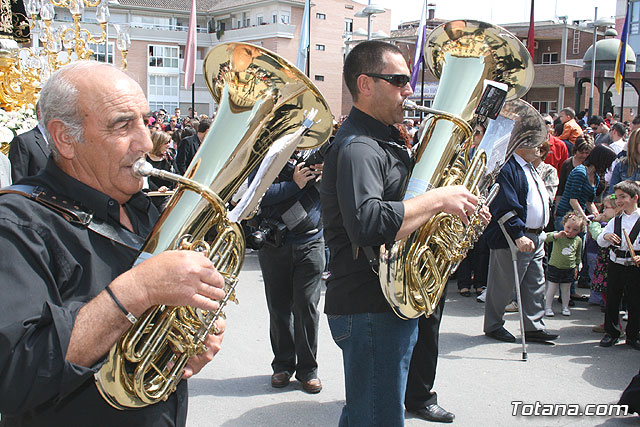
(590, 166)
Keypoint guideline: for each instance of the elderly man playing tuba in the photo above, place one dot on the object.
(69, 293)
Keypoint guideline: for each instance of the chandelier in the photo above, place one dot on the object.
(24, 70)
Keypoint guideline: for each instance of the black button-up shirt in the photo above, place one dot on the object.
(362, 185)
(49, 269)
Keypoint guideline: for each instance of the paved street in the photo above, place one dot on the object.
(478, 378)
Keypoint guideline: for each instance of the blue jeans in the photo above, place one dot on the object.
(376, 351)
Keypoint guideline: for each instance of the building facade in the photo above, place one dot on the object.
(559, 52)
(159, 34)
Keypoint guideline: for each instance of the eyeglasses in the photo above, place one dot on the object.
(398, 80)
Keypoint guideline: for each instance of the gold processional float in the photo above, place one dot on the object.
(463, 54)
(24, 70)
(266, 108)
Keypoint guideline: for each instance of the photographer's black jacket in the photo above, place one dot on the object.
(281, 195)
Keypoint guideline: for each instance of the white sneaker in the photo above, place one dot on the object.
(625, 316)
(566, 312)
(512, 307)
(482, 297)
(548, 312)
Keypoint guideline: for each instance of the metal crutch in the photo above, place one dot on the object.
(514, 256)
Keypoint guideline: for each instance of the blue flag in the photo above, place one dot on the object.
(621, 61)
(417, 56)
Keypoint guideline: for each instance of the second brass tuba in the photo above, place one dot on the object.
(262, 99)
(462, 54)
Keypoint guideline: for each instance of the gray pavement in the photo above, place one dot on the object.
(477, 378)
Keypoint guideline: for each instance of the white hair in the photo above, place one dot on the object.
(59, 100)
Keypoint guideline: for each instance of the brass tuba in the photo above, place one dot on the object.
(262, 99)
(462, 54)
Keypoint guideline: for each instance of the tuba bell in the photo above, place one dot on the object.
(262, 99)
(462, 54)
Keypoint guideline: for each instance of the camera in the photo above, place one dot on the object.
(269, 231)
(316, 157)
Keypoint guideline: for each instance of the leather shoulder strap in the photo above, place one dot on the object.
(635, 231)
(76, 214)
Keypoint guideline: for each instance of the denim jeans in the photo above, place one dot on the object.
(376, 351)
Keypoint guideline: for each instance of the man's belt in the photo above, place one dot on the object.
(534, 230)
(622, 254)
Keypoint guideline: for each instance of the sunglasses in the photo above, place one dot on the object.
(398, 80)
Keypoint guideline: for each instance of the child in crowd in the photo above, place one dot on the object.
(597, 257)
(623, 275)
(564, 260)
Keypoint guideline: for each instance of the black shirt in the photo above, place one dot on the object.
(49, 269)
(362, 185)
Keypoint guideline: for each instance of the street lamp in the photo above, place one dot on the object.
(368, 12)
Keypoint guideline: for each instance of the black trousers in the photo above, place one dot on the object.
(621, 280)
(422, 369)
(474, 268)
(292, 280)
(631, 395)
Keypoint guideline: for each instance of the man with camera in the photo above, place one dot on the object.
(292, 260)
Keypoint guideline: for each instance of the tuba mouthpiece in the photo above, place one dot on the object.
(409, 105)
(142, 168)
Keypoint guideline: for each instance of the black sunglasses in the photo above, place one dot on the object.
(398, 80)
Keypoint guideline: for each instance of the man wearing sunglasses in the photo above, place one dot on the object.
(364, 176)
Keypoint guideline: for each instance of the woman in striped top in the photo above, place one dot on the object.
(580, 189)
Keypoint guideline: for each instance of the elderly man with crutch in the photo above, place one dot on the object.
(521, 209)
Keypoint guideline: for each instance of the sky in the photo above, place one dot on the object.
(498, 11)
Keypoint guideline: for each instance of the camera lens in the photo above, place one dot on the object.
(255, 240)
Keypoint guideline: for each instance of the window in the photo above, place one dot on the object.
(320, 47)
(163, 56)
(576, 41)
(348, 25)
(274, 18)
(99, 52)
(635, 18)
(163, 86)
(156, 105)
(319, 78)
(550, 58)
(321, 16)
(545, 107)
(285, 18)
(259, 19)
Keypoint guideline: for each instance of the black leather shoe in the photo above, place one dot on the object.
(434, 413)
(280, 379)
(633, 343)
(608, 341)
(540, 336)
(501, 335)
